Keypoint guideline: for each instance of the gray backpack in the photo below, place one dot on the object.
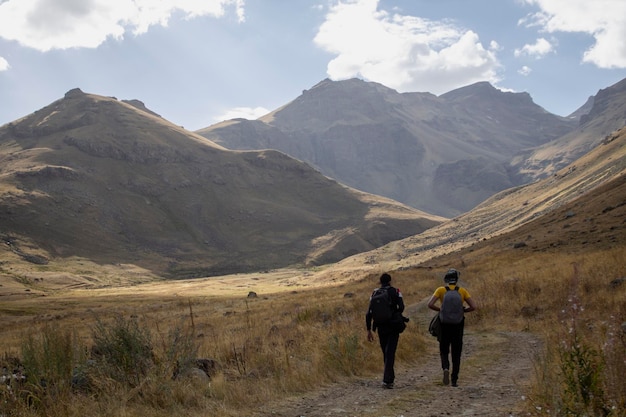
(452, 307)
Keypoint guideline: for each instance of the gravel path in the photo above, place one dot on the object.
(494, 371)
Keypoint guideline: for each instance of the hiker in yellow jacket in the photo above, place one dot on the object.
(452, 307)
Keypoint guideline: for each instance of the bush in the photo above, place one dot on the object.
(582, 368)
(343, 353)
(123, 350)
(48, 360)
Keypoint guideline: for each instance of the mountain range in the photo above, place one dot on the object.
(443, 155)
(581, 208)
(599, 117)
(109, 181)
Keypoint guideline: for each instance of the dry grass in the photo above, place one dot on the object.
(276, 344)
(577, 304)
(288, 341)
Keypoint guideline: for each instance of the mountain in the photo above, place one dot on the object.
(600, 116)
(581, 207)
(112, 182)
(443, 155)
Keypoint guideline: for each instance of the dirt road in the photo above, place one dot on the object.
(495, 369)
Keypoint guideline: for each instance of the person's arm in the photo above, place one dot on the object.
(472, 305)
(432, 302)
(368, 325)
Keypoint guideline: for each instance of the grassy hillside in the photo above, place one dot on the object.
(109, 182)
(553, 267)
(299, 334)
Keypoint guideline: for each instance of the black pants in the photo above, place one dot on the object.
(388, 343)
(451, 340)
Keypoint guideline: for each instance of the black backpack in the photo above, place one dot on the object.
(452, 307)
(434, 328)
(380, 305)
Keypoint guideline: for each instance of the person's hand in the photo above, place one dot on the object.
(370, 336)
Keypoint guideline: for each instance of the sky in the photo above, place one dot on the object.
(198, 62)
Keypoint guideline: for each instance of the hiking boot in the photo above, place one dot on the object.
(388, 385)
(446, 377)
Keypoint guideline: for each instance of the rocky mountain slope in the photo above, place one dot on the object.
(582, 207)
(601, 115)
(111, 182)
(443, 155)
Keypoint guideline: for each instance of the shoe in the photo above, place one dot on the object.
(446, 377)
(454, 384)
(388, 385)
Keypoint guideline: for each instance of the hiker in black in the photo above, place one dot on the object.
(452, 322)
(388, 330)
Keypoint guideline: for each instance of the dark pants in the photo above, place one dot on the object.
(388, 343)
(451, 340)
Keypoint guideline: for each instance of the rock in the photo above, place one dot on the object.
(200, 369)
(74, 93)
(617, 282)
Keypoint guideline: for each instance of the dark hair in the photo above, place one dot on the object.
(385, 278)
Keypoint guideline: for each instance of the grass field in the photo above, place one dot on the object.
(302, 330)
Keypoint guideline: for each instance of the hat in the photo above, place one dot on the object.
(452, 276)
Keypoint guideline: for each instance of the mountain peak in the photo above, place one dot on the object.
(330, 102)
(481, 88)
(74, 93)
(485, 94)
(442, 155)
(349, 85)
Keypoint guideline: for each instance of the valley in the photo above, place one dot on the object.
(116, 245)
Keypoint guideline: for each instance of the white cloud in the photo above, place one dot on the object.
(250, 113)
(524, 71)
(407, 53)
(539, 49)
(4, 64)
(54, 24)
(605, 20)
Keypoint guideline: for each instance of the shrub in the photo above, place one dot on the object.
(48, 359)
(582, 368)
(343, 353)
(123, 350)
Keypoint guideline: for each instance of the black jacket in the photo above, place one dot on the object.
(396, 301)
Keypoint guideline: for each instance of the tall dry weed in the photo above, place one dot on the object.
(577, 303)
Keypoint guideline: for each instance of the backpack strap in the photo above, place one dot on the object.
(391, 295)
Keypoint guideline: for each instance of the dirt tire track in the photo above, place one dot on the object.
(496, 367)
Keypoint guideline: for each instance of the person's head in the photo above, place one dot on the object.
(451, 276)
(385, 279)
